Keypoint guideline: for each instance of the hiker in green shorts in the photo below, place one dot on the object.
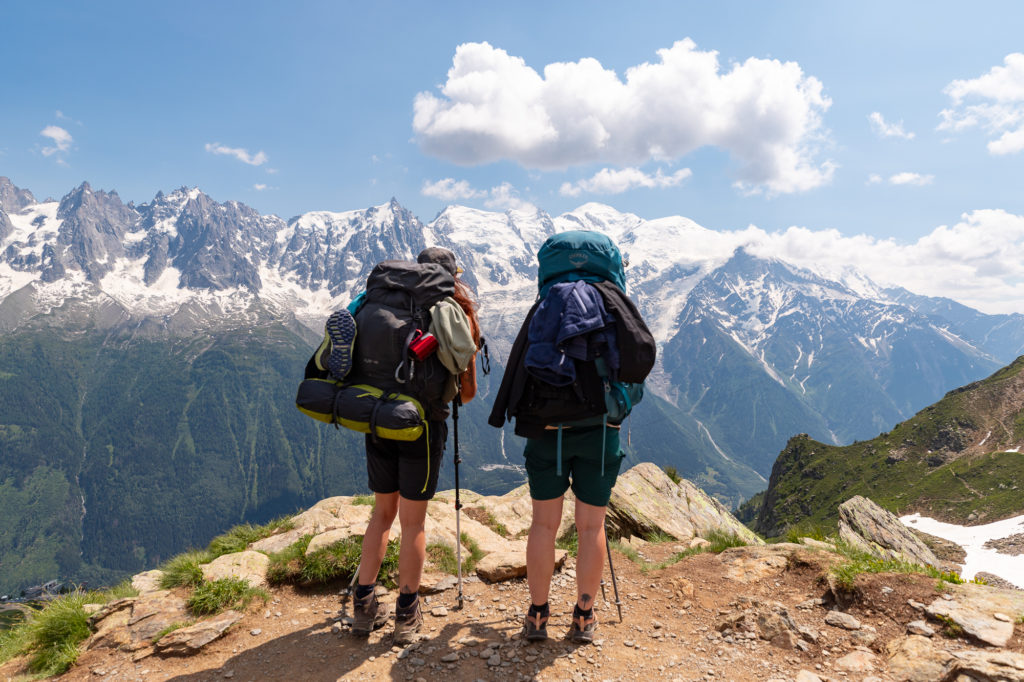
(574, 373)
(592, 484)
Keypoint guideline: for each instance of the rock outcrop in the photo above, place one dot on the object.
(645, 501)
(865, 525)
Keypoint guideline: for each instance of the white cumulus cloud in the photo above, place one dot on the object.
(993, 102)
(60, 138)
(612, 181)
(907, 178)
(449, 189)
(243, 155)
(766, 113)
(979, 261)
(506, 196)
(883, 128)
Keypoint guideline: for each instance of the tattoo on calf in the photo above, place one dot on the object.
(406, 589)
(585, 599)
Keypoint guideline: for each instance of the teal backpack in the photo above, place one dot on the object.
(579, 255)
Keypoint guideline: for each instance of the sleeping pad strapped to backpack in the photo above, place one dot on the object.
(389, 392)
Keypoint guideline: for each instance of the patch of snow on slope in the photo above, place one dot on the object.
(972, 539)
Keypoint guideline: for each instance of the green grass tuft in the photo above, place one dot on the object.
(284, 566)
(859, 561)
(443, 557)
(475, 553)
(240, 537)
(366, 500)
(718, 540)
(672, 473)
(169, 629)
(183, 570)
(217, 595)
(570, 543)
(337, 561)
(658, 537)
(806, 529)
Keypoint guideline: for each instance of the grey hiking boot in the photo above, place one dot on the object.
(368, 614)
(407, 623)
(582, 629)
(535, 627)
(335, 351)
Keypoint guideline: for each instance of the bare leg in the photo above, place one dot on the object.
(540, 547)
(413, 552)
(590, 557)
(375, 540)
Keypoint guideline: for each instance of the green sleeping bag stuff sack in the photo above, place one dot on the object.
(362, 408)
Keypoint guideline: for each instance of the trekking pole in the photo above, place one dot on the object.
(458, 500)
(615, 585)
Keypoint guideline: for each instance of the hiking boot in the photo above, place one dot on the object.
(582, 629)
(368, 614)
(535, 627)
(407, 623)
(335, 351)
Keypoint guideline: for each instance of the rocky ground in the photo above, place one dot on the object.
(759, 612)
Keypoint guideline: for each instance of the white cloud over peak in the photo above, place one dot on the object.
(765, 113)
(883, 128)
(61, 140)
(612, 181)
(993, 102)
(503, 196)
(449, 189)
(243, 155)
(979, 261)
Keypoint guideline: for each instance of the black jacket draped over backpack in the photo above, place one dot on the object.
(637, 352)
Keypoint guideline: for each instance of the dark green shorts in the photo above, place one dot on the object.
(581, 463)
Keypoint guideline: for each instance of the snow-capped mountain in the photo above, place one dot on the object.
(833, 355)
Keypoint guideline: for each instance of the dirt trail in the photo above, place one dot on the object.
(665, 634)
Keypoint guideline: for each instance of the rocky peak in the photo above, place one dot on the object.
(91, 236)
(12, 197)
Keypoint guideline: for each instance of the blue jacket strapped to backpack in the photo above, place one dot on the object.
(571, 323)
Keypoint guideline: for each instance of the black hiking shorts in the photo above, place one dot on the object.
(409, 468)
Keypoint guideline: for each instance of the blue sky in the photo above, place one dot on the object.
(734, 113)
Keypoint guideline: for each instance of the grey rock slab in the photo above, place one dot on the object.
(973, 607)
(1005, 666)
(842, 620)
(191, 639)
(864, 524)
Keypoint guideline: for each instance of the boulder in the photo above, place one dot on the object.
(915, 659)
(148, 581)
(1005, 666)
(865, 525)
(499, 566)
(645, 501)
(975, 607)
(132, 623)
(191, 639)
(755, 563)
(769, 621)
(247, 565)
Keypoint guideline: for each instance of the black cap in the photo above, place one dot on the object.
(441, 256)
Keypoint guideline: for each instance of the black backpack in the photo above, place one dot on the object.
(388, 392)
(399, 295)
